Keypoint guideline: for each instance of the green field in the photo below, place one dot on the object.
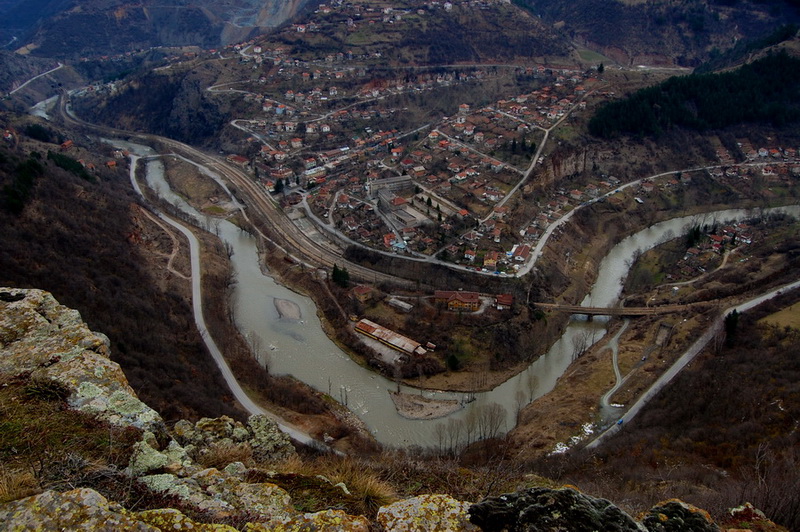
(788, 317)
(591, 57)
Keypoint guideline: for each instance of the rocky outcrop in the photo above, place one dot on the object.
(543, 509)
(81, 508)
(261, 437)
(674, 516)
(209, 468)
(47, 343)
(747, 517)
(432, 513)
(51, 343)
(85, 509)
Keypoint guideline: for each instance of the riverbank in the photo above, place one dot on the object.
(651, 345)
(297, 404)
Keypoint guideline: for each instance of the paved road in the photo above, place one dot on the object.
(60, 65)
(298, 246)
(684, 360)
(197, 307)
(613, 344)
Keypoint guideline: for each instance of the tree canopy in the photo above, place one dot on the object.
(766, 90)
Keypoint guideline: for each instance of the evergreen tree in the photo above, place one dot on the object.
(340, 276)
(731, 327)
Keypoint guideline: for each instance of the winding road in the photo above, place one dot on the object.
(60, 65)
(197, 307)
(613, 344)
(685, 359)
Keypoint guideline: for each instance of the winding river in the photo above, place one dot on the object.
(301, 348)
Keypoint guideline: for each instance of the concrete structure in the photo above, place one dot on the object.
(397, 185)
(400, 305)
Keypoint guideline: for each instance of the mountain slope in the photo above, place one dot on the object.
(61, 28)
(661, 31)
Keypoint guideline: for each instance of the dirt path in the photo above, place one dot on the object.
(176, 245)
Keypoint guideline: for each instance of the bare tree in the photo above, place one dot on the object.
(531, 384)
(629, 263)
(257, 347)
(491, 418)
(581, 343)
(471, 423)
(441, 436)
(455, 427)
(520, 400)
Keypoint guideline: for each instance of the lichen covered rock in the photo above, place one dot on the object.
(145, 459)
(268, 441)
(171, 519)
(429, 513)
(544, 509)
(262, 435)
(77, 509)
(50, 342)
(676, 516)
(218, 493)
(85, 509)
(325, 521)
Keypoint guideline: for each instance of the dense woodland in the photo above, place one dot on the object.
(765, 91)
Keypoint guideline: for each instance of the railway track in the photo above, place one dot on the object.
(296, 244)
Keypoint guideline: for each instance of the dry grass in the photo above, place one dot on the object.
(16, 484)
(368, 491)
(788, 317)
(219, 455)
(44, 445)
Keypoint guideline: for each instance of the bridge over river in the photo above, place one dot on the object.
(616, 311)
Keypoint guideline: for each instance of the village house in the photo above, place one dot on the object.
(490, 260)
(504, 301)
(522, 253)
(458, 300)
(238, 160)
(362, 293)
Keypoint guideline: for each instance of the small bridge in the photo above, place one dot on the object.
(613, 311)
